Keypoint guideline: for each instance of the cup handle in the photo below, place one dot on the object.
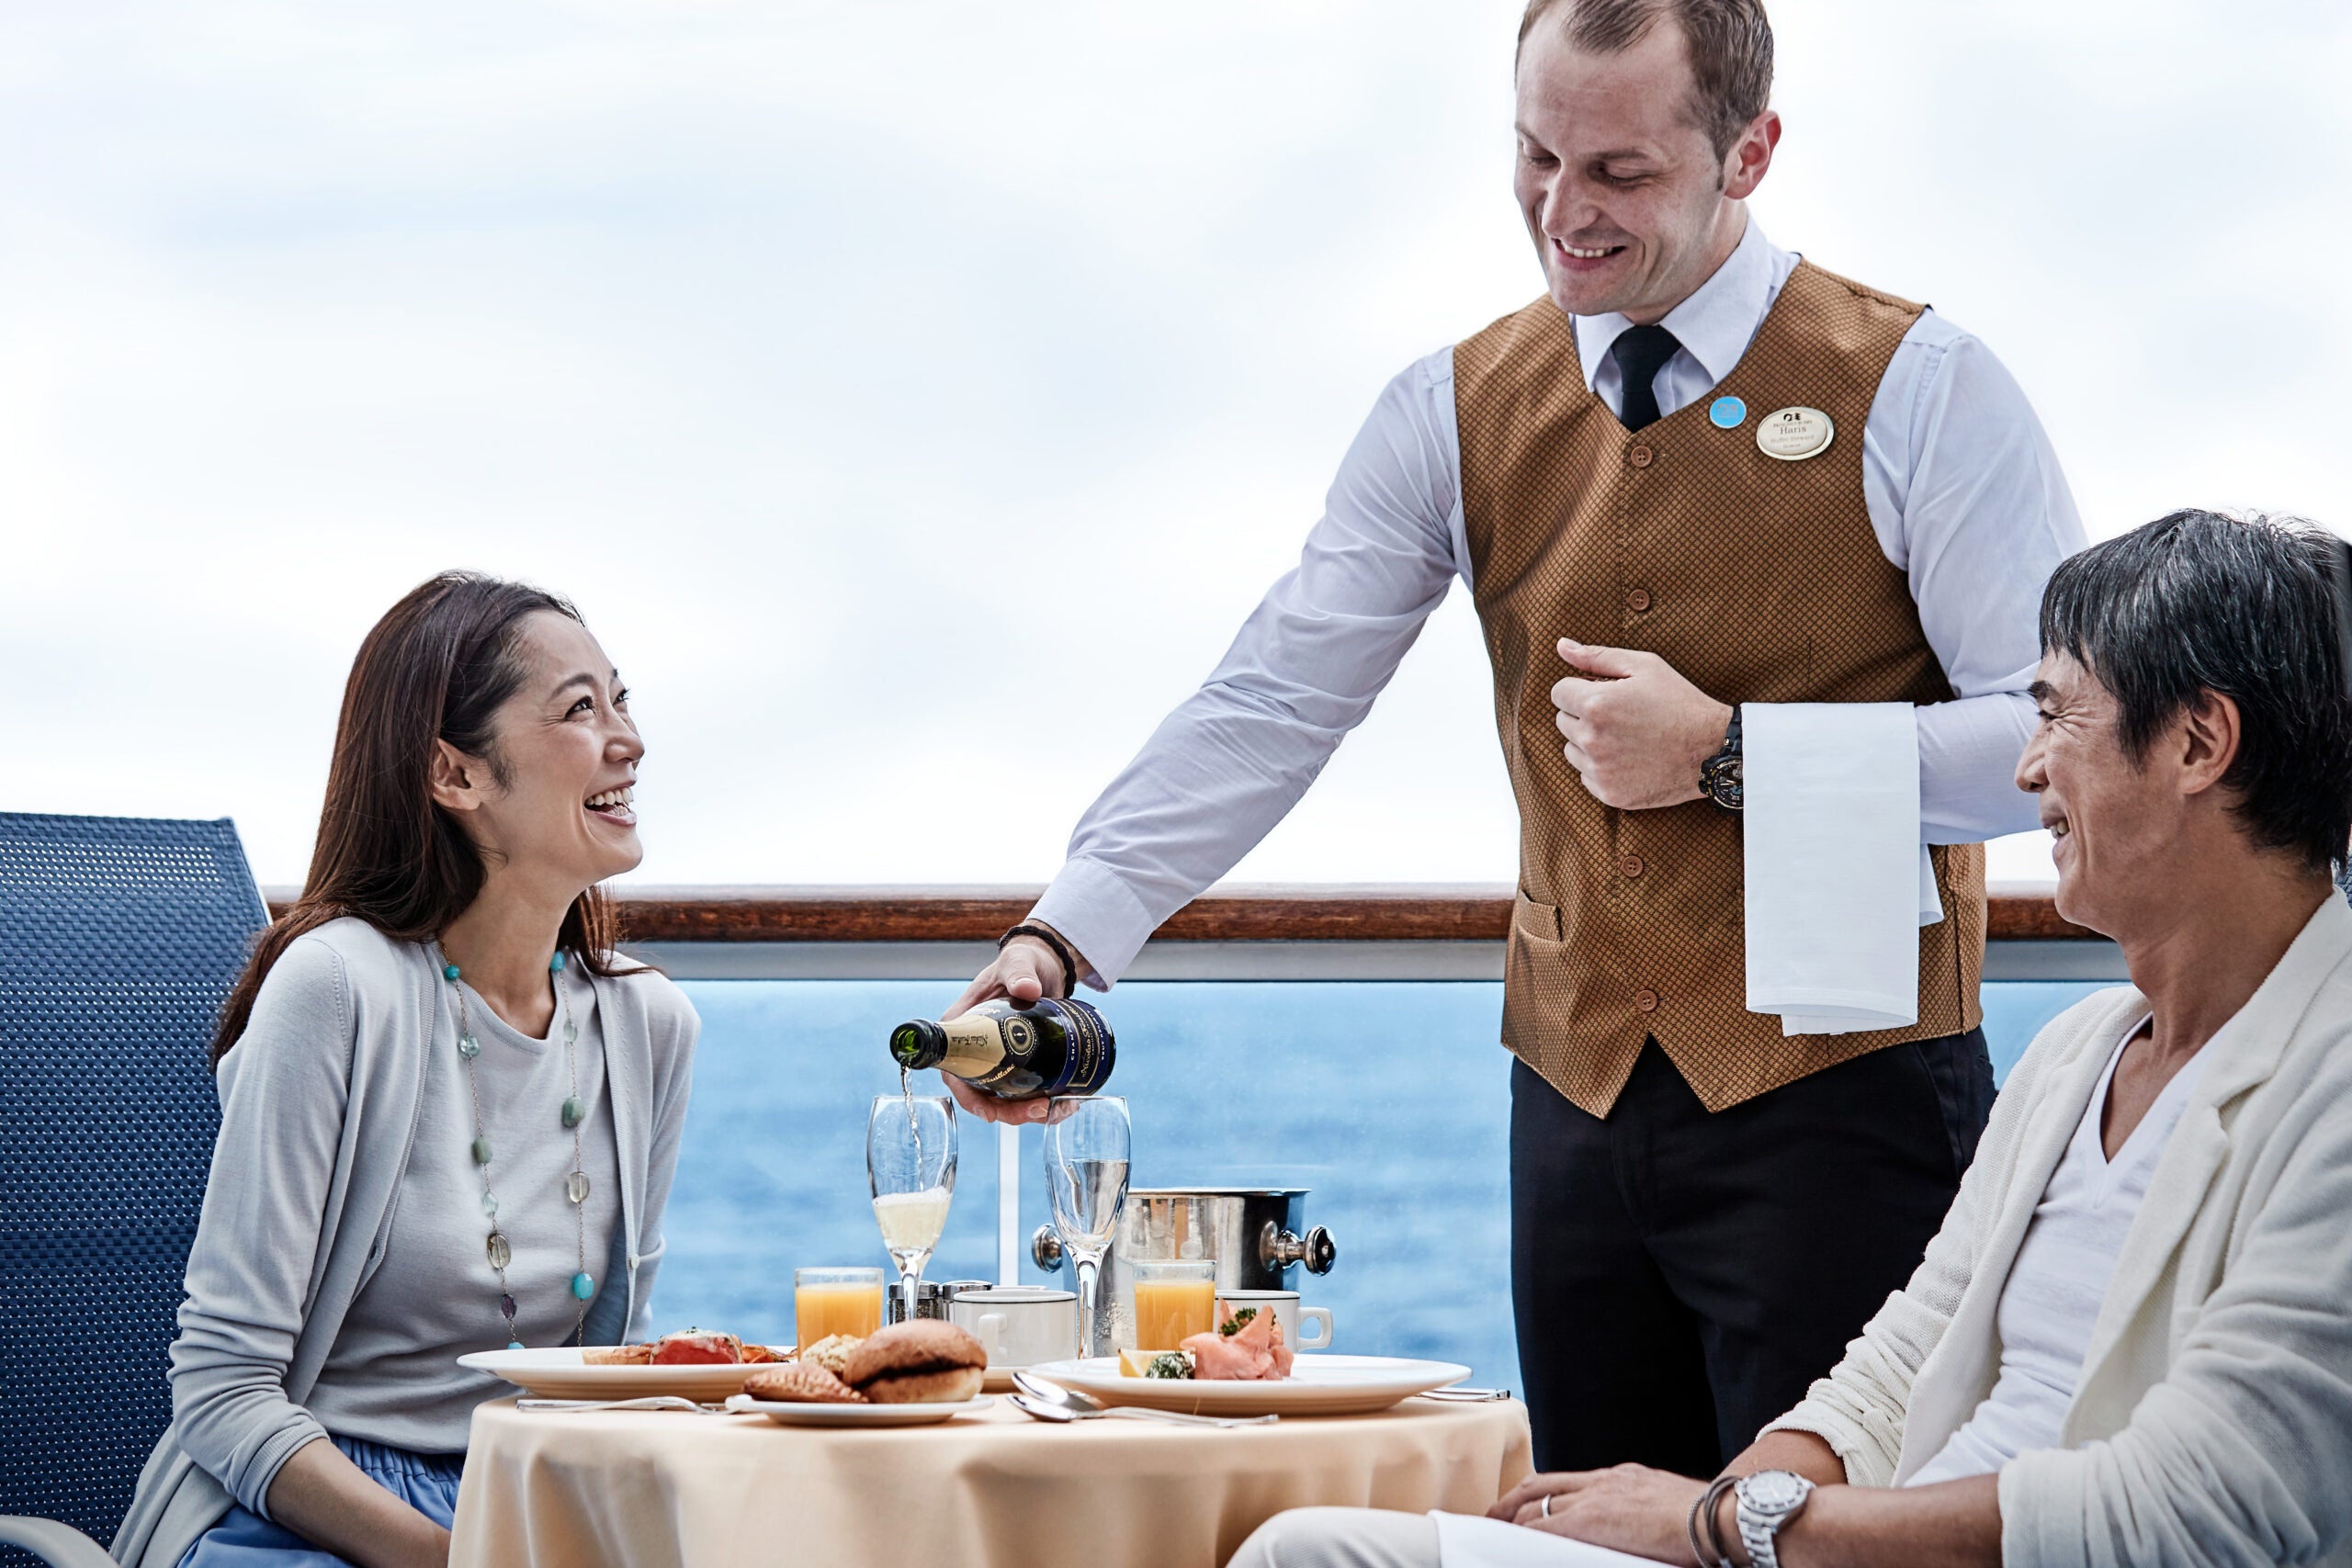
(988, 1331)
(1308, 1315)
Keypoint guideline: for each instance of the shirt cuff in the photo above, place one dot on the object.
(1100, 916)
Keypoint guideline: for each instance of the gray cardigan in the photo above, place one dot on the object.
(320, 1100)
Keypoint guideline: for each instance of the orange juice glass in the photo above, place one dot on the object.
(836, 1301)
(1174, 1301)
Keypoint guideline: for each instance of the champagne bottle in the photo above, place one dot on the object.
(1054, 1045)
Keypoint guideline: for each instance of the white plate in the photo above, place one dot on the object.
(788, 1415)
(1318, 1385)
(560, 1374)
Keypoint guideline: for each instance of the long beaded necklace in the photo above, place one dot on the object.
(497, 1248)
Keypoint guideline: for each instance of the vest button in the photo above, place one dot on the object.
(1638, 599)
(1631, 866)
(1640, 456)
(1645, 1001)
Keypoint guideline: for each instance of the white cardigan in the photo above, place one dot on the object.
(2212, 1424)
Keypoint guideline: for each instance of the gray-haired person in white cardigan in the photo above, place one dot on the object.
(449, 1117)
(2132, 1341)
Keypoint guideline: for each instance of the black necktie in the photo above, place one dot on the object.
(1641, 352)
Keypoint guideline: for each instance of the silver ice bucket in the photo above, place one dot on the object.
(1255, 1236)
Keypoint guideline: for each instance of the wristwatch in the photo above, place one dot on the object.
(1719, 775)
(1768, 1500)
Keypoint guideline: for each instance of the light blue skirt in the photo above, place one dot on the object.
(427, 1482)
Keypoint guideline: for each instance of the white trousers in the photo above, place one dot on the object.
(1341, 1537)
(1375, 1538)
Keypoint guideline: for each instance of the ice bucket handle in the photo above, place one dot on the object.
(1046, 1249)
(1279, 1249)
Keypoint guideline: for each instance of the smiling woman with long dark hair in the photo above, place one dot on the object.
(450, 1115)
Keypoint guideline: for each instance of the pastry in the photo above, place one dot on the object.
(922, 1362)
(801, 1383)
(832, 1352)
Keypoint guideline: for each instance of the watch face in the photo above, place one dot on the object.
(1775, 1491)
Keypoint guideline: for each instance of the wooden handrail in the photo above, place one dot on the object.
(1322, 911)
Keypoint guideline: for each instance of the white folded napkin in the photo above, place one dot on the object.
(1838, 884)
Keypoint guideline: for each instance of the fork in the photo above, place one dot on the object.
(649, 1402)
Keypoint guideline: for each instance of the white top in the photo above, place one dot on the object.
(392, 1376)
(2050, 1301)
(1964, 492)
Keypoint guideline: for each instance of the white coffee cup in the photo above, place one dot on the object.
(1019, 1325)
(1287, 1312)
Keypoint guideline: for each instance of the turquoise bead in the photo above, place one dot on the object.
(572, 1111)
(513, 1344)
(448, 971)
(481, 1150)
(583, 1286)
(469, 1047)
(555, 965)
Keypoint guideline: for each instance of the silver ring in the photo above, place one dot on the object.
(1547, 1504)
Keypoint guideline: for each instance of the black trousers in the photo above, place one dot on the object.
(1680, 1277)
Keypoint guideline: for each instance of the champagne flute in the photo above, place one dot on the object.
(1086, 1141)
(911, 1164)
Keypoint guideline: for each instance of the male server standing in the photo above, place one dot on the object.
(1701, 473)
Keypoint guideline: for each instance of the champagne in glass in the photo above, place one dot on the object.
(1087, 1146)
(911, 1164)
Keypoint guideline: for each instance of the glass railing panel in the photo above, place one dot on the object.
(1390, 1100)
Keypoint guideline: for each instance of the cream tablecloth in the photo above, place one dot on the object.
(653, 1489)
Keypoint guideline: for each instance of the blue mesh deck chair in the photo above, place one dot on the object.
(119, 938)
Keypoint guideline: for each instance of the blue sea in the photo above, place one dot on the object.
(1389, 1100)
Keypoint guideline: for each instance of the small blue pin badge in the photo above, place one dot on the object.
(1727, 412)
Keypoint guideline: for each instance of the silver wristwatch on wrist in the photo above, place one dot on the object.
(1768, 1500)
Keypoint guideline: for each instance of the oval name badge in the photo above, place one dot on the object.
(1793, 433)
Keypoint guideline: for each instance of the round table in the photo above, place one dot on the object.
(654, 1488)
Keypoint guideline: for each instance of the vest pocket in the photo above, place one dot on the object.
(1535, 978)
(1528, 918)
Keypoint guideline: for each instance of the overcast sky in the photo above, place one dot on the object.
(915, 395)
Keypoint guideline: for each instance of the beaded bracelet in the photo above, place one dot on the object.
(1070, 964)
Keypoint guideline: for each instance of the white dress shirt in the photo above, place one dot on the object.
(1964, 492)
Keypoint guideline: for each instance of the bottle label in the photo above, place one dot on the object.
(1090, 1061)
(976, 1045)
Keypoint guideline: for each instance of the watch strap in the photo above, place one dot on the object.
(1722, 777)
(1759, 1527)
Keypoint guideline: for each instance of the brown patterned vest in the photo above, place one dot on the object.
(1761, 581)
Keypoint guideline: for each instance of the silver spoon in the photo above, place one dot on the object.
(1060, 1403)
(1047, 1410)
